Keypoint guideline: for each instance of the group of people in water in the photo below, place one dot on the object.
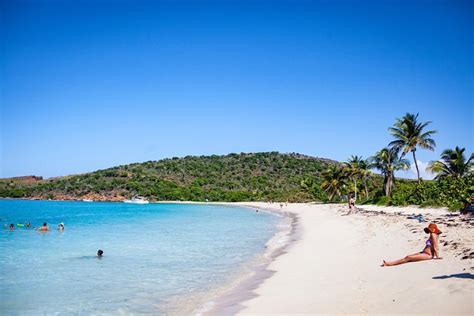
(44, 228)
(27, 225)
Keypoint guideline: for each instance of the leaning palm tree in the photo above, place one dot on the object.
(334, 181)
(388, 161)
(453, 163)
(352, 167)
(410, 134)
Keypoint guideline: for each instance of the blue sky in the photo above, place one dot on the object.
(88, 85)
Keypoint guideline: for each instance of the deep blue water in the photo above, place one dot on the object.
(156, 256)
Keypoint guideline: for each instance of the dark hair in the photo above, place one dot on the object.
(11, 225)
(99, 252)
(45, 224)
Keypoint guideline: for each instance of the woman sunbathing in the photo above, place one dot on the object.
(431, 250)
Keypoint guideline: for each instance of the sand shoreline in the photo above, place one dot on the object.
(229, 302)
(334, 266)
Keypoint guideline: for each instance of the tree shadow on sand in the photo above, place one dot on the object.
(458, 275)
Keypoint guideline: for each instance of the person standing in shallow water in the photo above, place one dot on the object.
(44, 228)
(431, 250)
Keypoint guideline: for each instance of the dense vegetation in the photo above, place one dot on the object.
(234, 177)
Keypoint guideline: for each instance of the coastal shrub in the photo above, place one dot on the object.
(448, 192)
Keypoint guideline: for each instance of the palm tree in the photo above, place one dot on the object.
(453, 163)
(410, 134)
(334, 181)
(308, 185)
(352, 167)
(388, 161)
(364, 167)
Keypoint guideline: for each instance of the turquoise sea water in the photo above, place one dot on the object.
(158, 258)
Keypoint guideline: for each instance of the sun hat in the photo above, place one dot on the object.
(432, 228)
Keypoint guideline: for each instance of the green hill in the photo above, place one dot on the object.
(233, 177)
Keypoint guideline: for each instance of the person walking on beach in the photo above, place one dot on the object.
(352, 202)
(431, 250)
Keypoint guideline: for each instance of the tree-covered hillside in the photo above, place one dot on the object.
(234, 177)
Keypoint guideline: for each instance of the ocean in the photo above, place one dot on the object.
(158, 258)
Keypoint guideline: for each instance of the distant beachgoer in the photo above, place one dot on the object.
(468, 207)
(28, 225)
(352, 202)
(61, 226)
(99, 253)
(256, 211)
(431, 250)
(12, 227)
(281, 205)
(44, 228)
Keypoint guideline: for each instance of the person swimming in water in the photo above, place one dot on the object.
(100, 253)
(44, 228)
(12, 227)
(61, 227)
(431, 250)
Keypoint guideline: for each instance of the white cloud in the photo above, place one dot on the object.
(411, 173)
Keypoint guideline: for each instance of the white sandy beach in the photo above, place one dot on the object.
(334, 266)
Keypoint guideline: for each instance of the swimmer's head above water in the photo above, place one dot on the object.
(99, 253)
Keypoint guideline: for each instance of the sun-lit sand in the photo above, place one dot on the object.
(334, 266)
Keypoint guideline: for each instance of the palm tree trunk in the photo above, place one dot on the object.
(365, 187)
(385, 185)
(389, 184)
(416, 165)
(355, 188)
(331, 196)
(388, 191)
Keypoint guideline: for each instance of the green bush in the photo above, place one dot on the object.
(448, 192)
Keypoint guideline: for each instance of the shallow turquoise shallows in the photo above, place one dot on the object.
(158, 258)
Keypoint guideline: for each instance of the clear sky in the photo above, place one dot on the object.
(87, 85)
